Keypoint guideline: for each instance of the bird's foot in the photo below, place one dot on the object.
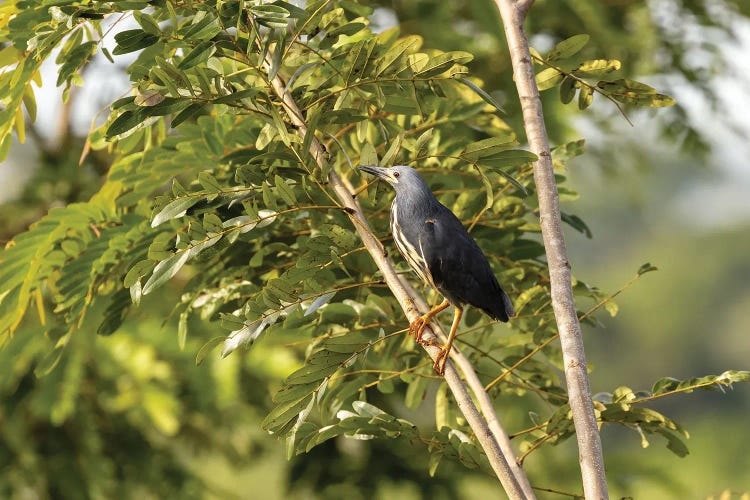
(440, 360)
(417, 327)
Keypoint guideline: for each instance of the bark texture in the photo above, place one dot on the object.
(513, 14)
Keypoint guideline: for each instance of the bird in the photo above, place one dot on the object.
(442, 253)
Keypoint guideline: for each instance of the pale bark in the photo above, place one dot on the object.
(513, 14)
(500, 462)
(485, 403)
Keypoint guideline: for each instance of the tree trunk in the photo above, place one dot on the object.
(513, 14)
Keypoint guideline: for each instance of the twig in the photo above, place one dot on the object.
(498, 461)
(513, 14)
(559, 492)
(593, 88)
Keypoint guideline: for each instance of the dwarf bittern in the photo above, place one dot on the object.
(444, 255)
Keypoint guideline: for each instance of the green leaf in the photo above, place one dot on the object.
(434, 462)
(133, 40)
(206, 349)
(198, 54)
(269, 11)
(675, 444)
(166, 106)
(443, 62)
(576, 223)
(5, 146)
(165, 270)
(568, 47)
(368, 155)
(568, 89)
(29, 101)
(548, 78)
(107, 54)
(209, 182)
(403, 46)
(360, 54)
(123, 123)
(488, 147)
(390, 156)
(187, 113)
(148, 98)
(442, 407)
(338, 314)
(647, 268)
(174, 209)
(278, 52)
(182, 330)
(596, 68)
(569, 150)
(633, 92)
(415, 392)
(666, 384)
(140, 269)
(147, 22)
(202, 28)
(294, 11)
(50, 361)
(282, 414)
(365, 409)
(585, 97)
(508, 158)
(8, 55)
(319, 302)
(488, 189)
(481, 93)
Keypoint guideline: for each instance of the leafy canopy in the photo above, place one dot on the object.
(212, 184)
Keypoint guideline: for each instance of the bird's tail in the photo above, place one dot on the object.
(508, 306)
(503, 309)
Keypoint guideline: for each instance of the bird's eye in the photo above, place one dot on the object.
(396, 174)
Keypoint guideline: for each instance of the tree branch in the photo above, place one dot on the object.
(498, 461)
(485, 403)
(513, 14)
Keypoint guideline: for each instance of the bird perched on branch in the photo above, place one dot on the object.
(444, 255)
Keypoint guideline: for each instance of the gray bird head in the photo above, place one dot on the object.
(405, 180)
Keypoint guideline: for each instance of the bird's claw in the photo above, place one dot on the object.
(440, 360)
(417, 327)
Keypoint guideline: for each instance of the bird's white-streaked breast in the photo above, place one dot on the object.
(413, 256)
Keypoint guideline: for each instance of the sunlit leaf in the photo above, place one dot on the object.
(568, 47)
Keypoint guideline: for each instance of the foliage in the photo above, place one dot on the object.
(212, 184)
(648, 38)
(118, 415)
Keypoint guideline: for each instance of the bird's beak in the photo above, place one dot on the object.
(379, 172)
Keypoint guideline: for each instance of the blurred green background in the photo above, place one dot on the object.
(132, 413)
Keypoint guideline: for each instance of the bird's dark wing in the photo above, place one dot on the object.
(458, 268)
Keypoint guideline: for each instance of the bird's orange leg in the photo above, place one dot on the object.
(442, 356)
(417, 326)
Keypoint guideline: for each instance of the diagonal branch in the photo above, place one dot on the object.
(485, 403)
(513, 14)
(498, 461)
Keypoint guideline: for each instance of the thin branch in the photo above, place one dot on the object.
(559, 492)
(485, 403)
(689, 388)
(498, 461)
(547, 342)
(539, 442)
(593, 88)
(513, 14)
